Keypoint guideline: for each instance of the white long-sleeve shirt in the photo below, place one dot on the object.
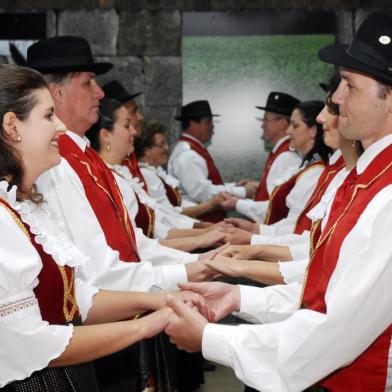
(23, 332)
(161, 268)
(294, 349)
(191, 170)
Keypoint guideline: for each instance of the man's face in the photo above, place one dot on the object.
(81, 95)
(206, 129)
(363, 114)
(136, 117)
(273, 125)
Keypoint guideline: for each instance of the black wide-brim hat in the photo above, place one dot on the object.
(196, 109)
(64, 54)
(280, 103)
(370, 51)
(116, 90)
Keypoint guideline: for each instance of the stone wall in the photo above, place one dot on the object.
(143, 37)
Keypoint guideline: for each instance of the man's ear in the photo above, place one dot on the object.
(57, 92)
(10, 126)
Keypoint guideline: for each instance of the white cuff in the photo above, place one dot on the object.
(293, 271)
(84, 296)
(172, 275)
(258, 239)
(299, 251)
(216, 343)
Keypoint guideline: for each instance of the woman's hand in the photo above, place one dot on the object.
(227, 266)
(242, 252)
(244, 224)
(236, 236)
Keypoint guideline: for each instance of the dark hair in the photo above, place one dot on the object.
(147, 136)
(309, 111)
(186, 122)
(332, 86)
(17, 87)
(107, 117)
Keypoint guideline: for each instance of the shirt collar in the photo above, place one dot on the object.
(193, 138)
(82, 142)
(371, 152)
(334, 157)
(279, 142)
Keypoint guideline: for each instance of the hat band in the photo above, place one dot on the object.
(368, 55)
(62, 61)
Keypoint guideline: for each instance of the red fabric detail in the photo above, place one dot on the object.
(133, 166)
(213, 175)
(50, 291)
(368, 372)
(328, 174)
(277, 208)
(172, 194)
(262, 192)
(104, 197)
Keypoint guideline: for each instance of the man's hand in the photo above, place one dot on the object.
(220, 298)
(242, 252)
(228, 202)
(227, 266)
(210, 238)
(185, 327)
(250, 189)
(244, 224)
(237, 236)
(199, 271)
(212, 253)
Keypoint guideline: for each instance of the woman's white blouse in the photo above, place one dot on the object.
(23, 333)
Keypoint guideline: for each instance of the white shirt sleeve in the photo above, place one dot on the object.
(66, 200)
(270, 357)
(283, 161)
(293, 271)
(255, 210)
(23, 332)
(191, 169)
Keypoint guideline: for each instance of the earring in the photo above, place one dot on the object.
(19, 139)
(108, 147)
(354, 144)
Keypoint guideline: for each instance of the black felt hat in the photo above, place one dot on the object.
(64, 54)
(196, 109)
(370, 51)
(116, 90)
(280, 103)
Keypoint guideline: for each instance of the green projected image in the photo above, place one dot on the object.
(236, 74)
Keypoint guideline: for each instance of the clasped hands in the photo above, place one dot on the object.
(194, 307)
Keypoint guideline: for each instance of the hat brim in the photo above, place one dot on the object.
(130, 97)
(337, 54)
(97, 68)
(273, 110)
(180, 118)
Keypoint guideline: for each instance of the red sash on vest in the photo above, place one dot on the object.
(213, 175)
(328, 174)
(368, 372)
(277, 208)
(173, 194)
(104, 197)
(133, 166)
(262, 192)
(145, 217)
(56, 289)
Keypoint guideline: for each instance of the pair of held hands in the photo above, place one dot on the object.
(188, 312)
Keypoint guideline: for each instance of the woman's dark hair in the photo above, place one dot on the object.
(147, 136)
(106, 119)
(309, 111)
(17, 87)
(332, 86)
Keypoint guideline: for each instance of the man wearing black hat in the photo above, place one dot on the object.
(192, 164)
(335, 330)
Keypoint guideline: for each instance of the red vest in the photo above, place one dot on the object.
(277, 208)
(145, 218)
(104, 197)
(368, 372)
(173, 194)
(133, 166)
(328, 174)
(262, 192)
(213, 175)
(56, 289)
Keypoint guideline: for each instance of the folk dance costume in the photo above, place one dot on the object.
(279, 160)
(288, 198)
(192, 164)
(340, 337)
(40, 300)
(67, 197)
